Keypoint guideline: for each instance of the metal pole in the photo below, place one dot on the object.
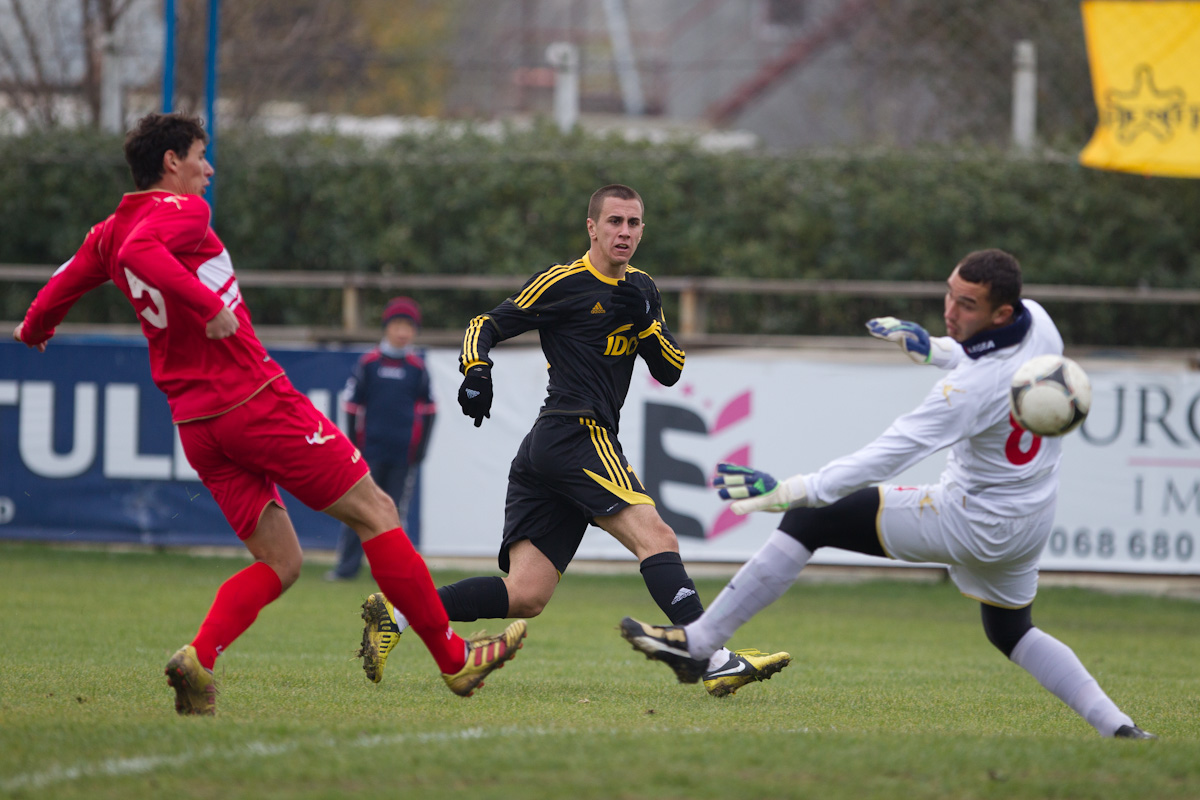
(564, 57)
(1024, 108)
(210, 95)
(622, 45)
(111, 115)
(168, 85)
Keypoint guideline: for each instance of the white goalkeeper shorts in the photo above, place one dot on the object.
(991, 558)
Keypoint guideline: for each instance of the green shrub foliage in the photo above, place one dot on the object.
(459, 202)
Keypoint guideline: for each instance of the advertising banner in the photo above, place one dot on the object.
(1130, 479)
(88, 452)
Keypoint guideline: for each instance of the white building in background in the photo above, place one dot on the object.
(49, 48)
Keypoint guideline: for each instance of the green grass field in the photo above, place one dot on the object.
(894, 693)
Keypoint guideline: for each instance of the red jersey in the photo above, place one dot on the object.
(159, 250)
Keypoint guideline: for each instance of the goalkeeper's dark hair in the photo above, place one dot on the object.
(153, 136)
(617, 190)
(999, 271)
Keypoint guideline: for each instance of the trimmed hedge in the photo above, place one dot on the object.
(462, 203)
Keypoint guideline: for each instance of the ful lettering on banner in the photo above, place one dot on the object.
(112, 436)
(1145, 436)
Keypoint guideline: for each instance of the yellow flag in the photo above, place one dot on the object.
(1145, 61)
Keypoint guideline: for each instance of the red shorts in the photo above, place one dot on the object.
(275, 437)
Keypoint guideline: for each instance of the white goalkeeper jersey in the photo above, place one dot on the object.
(1002, 468)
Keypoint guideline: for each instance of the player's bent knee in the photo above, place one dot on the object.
(799, 524)
(662, 539)
(288, 574)
(849, 524)
(367, 509)
(529, 594)
(525, 609)
(1006, 626)
(286, 566)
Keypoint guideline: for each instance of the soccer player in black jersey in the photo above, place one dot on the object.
(595, 316)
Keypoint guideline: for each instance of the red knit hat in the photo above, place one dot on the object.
(402, 307)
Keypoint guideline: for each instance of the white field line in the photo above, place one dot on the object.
(142, 765)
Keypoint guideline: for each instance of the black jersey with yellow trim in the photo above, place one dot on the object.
(590, 345)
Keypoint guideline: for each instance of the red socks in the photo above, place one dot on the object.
(397, 568)
(402, 575)
(235, 608)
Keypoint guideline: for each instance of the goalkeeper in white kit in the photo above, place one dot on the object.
(987, 519)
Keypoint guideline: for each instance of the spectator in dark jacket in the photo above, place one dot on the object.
(390, 413)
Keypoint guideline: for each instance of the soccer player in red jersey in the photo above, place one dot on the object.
(244, 427)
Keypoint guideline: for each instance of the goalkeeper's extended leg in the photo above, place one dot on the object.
(849, 523)
(1057, 668)
(761, 581)
(669, 584)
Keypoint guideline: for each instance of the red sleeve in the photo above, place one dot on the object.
(148, 252)
(82, 273)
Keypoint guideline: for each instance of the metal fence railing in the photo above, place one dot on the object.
(695, 296)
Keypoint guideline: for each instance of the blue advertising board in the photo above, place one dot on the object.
(88, 451)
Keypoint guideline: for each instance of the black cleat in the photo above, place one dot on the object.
(1132, 732)
(666, 644)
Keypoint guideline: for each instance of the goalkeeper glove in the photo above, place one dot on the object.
(914, 340)
(475, 394)
(752, 490)
(634, 303)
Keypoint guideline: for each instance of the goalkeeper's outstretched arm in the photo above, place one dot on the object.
(915, 341)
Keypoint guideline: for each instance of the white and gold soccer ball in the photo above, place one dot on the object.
(1050, 395)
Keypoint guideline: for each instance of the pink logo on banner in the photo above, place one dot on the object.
(735, 411)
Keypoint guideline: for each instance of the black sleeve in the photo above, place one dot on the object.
(526, 310)
(658, 347)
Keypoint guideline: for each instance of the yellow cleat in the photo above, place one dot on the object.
(195, 688)
(380, 635)
(743, 666)
(484, 655)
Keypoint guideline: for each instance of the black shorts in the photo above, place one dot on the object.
(567, 471)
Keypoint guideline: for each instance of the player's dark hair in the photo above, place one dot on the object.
(154, 135)
(999, 271)
(612, 190)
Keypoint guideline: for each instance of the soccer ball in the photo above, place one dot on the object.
(1050, 395)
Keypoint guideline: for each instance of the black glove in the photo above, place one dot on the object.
(475, 394)
(634, 303)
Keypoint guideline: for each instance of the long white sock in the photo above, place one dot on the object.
(761, 581)
(1058, 669)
